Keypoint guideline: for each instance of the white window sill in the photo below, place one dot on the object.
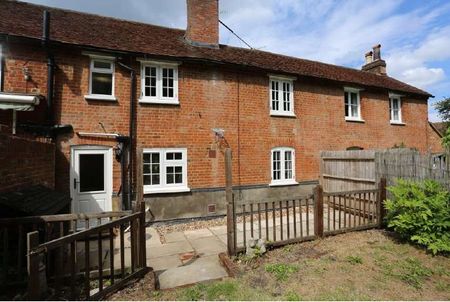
(354, 119)
(159, 101)
(282, 114)
(283, 183)
(166, 190)
(397, 123)
(99, 97)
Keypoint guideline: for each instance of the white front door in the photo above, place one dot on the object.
(91, 179)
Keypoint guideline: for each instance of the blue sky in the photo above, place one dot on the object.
(414, 34)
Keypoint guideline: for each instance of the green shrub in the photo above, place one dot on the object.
(420, 212)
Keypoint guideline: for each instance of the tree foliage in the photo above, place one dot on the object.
(443, 108)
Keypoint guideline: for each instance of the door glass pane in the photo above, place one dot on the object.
(92, 176)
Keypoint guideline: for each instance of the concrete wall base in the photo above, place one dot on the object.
(199, 202)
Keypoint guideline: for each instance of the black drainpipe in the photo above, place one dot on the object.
(132, 142)
(50, 66)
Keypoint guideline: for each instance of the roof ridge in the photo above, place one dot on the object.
(94, 15)
(324, 63)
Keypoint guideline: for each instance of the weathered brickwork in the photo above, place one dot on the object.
(26, 162)
(202, 19)
(213, 96)
(434, 140)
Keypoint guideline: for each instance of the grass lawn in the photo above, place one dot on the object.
(369, 265)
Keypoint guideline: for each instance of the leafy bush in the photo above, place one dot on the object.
(420, 212)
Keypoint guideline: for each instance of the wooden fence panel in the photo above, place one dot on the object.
(360, 170)
(347, 170)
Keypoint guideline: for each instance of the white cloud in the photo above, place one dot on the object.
(423, 76)
(412, 64)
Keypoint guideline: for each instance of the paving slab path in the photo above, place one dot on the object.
(191, 256)
(186, 257)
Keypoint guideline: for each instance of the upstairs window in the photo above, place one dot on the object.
(352, 104)
(165, 170)
(102, 74)
(281, 96)
(283, 166)
(159, 83)
(395, 109)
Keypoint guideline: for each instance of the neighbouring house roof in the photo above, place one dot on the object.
(34, 200)
(25, 20)
(440, 128)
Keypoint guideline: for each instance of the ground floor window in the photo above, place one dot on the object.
(165, 170)
(283, 166)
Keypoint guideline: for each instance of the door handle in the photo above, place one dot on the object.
(75, 183)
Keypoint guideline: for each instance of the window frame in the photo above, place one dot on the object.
(163, 187)
(159, 98)
(349, 90)
(92, 69)
(283, 181)
(282, 80)
(392, 97)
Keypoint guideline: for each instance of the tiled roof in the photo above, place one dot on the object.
(440, 127)
(25, 20)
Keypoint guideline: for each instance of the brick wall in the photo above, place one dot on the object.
(215, 97)
(203, 21)
(434, 140)
(25, 162)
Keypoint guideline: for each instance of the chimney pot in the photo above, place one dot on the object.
(377, 52)
(203, 23)
(374, 63)
(369, 57)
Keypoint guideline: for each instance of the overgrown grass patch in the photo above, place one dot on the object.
(368, 265)
(281, 271)
(354, 259)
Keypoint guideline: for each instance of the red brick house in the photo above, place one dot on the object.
(107, 86)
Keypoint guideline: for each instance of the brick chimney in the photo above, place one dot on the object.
(203, 23)
(374, 63)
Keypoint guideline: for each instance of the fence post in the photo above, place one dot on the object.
(33, 266)
(318, 211)
(230, 203)
(380, 206)
(142, 245)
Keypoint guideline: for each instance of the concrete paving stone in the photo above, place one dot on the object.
(219, 230)
(174, 237)
(195, 234)
(223, 238)
(168, 249)
(208, 245)
(203, 269)
(152, 237)
(164, 263)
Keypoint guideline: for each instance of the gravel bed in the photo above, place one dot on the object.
(164, 228)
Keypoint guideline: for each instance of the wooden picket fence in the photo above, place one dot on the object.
(13, 238)
(281, 222)
(70, 281)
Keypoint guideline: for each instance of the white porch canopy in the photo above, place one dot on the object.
(18, 102)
